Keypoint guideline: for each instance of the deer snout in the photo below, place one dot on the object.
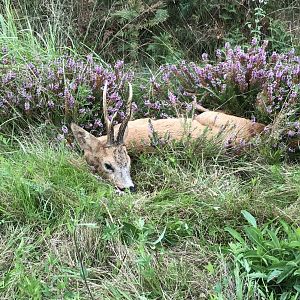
(132, 189)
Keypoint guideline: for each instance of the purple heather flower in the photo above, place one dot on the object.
(291, 133)
(279, 74)
(64, 129)
(205, 57)
(115, 97)
(291, 53)
(254, 41)
(81, 110)
(218, 53)
(134, 107)
(297, 125)
(27, 106)
(73, 86)
(89, 58)
(98, 69)
(156, 105)
(227, 45)
(60, 71)
(229, 54)
(294, 94)
(119, 64)
(50, 104)
(172, 98)
(71, 101)
(163, 68)
(98, 123)
(173, 68)
(5, 61)
(188, 106)
(4, 50)
(119, 104)
(8, 77)
(129, 76)
(9, 95)
(166, 76)
(71, 63)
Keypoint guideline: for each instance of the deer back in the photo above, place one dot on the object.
(233, 126)
(141, 134)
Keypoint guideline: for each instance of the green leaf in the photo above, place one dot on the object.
(297, 272)
(294, 244)
(210, 268)
(285, 296)
(274, 274)
(251, 220)
(285, 274)
(274, 238)
(297, 287)
(254, 235)
(162, 235)
(235, 235)
(258, 275)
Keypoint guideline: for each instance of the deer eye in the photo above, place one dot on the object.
(109, 167)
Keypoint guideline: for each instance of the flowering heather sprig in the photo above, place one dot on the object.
(249, 78)
(243, 80)
(62, 88)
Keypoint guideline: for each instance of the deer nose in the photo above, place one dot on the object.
(132, 189)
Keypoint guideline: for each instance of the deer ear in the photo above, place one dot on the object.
(85, 139)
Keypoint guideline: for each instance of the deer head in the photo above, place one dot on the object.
(110, 160)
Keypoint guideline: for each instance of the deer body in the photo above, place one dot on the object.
(139, 135)
(108, 155)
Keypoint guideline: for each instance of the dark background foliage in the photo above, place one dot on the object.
(142, 31)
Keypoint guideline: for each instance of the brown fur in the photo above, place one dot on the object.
(98, 155)
(108, 156)
(138, 134)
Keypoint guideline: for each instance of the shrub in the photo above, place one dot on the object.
(60, 90)
(157, 31)
(246, 81)
(268, 256)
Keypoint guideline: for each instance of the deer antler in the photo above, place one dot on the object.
(120, 137)
(109, 123)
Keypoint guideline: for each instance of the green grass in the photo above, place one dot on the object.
(160, 243)
(59, 224)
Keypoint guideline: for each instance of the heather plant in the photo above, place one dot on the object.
(245, 81)
(60, 90)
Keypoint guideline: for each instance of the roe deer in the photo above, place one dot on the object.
(233, 130)
(108, 154)
(109, 157)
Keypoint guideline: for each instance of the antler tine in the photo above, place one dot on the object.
(120, 137)
(109, 123)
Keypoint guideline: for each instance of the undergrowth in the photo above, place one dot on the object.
(206, 223)
(161, 243)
